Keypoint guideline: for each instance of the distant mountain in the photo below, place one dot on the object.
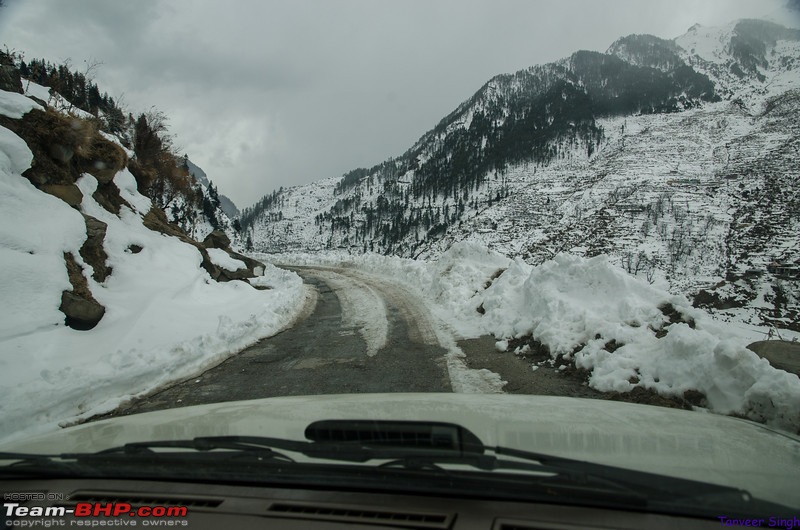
(675, 157)
(226, 204)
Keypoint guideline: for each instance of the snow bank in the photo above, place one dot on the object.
(220, 258)
(582, 309)
(15, 105)
(577, 307)
(165, 318)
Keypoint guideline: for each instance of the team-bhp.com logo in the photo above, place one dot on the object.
(87, 511)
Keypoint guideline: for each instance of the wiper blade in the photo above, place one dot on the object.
(262, 447)
(406, 454)
(357, 451)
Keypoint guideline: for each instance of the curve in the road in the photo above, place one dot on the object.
(363, 335)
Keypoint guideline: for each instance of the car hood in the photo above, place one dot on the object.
(686, 444)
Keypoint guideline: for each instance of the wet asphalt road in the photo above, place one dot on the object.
(321, 354)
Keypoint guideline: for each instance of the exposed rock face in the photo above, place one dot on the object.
(107, 195)
(64, 147)
(252, 269)
(10, 80)
(217, 239)
(80, 308)
(69, 193)
(92, 250)
(61, 153)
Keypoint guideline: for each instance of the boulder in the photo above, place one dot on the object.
(217, 239)
(81, 314)
(69, 193)
(242, 274)
(156, 220)
(209, 266)
(253, 268)
(81, 310)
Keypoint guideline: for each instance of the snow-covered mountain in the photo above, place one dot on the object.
(677, 158)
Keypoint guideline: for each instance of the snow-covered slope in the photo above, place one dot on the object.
(165, 318)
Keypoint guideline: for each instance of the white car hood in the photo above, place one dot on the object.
(695, 445)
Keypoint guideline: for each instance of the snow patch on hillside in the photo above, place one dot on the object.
(15, 105)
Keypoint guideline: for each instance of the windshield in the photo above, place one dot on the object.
(227, 222)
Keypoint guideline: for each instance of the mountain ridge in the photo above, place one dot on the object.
(650, 153)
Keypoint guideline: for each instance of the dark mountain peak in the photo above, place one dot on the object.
(752, 39)
(618, 86)
(764, 32)
(647, 50)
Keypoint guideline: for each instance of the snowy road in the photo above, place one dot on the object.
(359, 333)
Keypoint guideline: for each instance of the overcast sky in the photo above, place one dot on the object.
(269, 93)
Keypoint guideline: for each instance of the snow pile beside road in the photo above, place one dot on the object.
(165, 318)
(628, 333)
(592, 314)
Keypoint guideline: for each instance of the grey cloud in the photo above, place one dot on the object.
(268, 93)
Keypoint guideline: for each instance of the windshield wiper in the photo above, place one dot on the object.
(413, 449)
(258, 446)
(356, 451)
